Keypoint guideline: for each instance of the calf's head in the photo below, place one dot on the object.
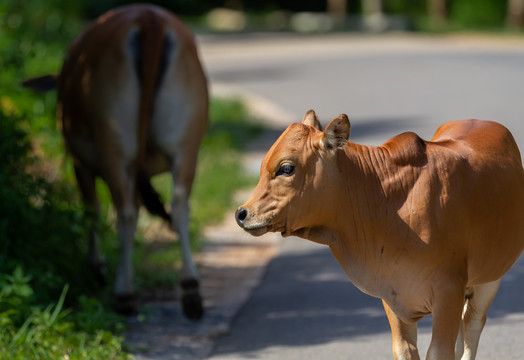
(294, 192)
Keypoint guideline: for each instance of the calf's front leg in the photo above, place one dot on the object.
(404, 336)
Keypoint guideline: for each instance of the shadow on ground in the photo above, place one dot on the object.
(322, 306)
(317, 299)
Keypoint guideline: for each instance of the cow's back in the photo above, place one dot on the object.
(488, 187)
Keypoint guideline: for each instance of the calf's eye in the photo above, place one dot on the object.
(285, 169)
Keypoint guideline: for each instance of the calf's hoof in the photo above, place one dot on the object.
(191, 299)
(125, 304)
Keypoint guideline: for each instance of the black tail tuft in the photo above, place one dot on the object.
(151, 200)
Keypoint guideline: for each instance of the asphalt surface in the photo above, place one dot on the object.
(305, 308)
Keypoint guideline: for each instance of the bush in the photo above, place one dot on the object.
(48, 333)
(41, 227)
(478, 14)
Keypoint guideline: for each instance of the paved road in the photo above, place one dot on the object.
(305, 307)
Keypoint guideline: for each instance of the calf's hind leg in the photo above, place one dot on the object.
(474, 316)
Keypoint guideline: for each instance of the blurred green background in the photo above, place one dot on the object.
(42, 232)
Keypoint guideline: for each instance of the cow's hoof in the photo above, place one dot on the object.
(191, 299)
(125, 304)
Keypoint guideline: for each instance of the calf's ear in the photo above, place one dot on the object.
(311, 119)
(336, 133)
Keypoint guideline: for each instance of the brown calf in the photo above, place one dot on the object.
(132, 103)
(429, 227)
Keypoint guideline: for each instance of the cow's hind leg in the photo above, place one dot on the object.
(86, 183)
(191, 299)
(404, 337)
(121, 182)
(477, 305)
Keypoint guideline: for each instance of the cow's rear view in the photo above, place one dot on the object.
(133, 102)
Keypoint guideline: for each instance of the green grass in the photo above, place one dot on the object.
(52, 332)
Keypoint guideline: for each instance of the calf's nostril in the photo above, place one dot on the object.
(240, 216)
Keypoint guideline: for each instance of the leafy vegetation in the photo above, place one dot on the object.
(40, 223)
(51, 332)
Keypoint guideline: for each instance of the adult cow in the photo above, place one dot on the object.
(427, 226)
(132, 103)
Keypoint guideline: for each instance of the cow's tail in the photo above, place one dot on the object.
(151, 199)
(152, 48)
